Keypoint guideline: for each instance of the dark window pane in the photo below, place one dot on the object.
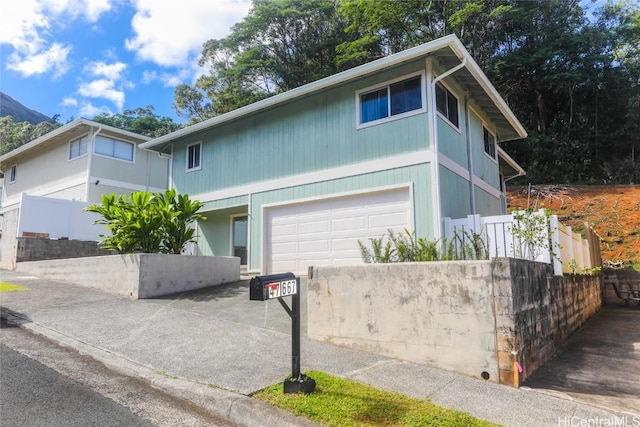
(406, 96)
(452, 109)
(441, 99)
(374, 106)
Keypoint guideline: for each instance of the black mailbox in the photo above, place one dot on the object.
(262, 288)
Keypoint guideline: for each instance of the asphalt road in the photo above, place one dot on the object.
(44, 384)
(35, 395)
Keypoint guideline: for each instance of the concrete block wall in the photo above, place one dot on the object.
(616, 276)
(536, 312)
(464, 316)
(33, 249)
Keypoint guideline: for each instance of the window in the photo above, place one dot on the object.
(489, 143)
(114, 148)
(78, 147)
(392, 100)
(447, 104)
(12, 174)
(193, 156)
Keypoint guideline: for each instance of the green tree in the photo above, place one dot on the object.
(146, 222)
(142, 121)
(14, 135)
(280, 45)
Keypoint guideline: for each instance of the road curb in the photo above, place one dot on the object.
(235, 407)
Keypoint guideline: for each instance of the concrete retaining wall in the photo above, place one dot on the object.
(466, 316)
(437, 313)
(536, 312)
(139, 275)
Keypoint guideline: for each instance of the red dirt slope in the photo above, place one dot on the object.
(613, 211)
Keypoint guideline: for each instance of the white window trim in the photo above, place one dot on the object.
(13, 173)
(82, 155)
(495, 143)
(115, 158)
(186, 165)
(386, 84)
(231, 247)
(445, 118)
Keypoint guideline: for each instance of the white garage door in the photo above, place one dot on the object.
(326, 232)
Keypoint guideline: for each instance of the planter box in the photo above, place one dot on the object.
(139, 275)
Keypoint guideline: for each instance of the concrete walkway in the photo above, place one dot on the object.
(214, 347)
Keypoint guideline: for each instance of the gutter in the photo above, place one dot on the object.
(92, 142)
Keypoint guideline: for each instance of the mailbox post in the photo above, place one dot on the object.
(263, 288)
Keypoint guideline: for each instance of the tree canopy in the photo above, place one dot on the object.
(569, 69)
(140, 120)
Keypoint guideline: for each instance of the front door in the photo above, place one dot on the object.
(239, 237)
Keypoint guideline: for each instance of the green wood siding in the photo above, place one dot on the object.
(454, 194)
(422, 199)
(484, 166)
(309, 134)
(486, 204)
(214, 233)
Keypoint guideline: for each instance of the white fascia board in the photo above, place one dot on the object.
(62, 129)
(509, 160)
(488, 87)
(344, 76)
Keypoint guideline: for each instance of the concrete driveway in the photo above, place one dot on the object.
(600, 364)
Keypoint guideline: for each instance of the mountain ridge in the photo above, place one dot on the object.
(19, 112)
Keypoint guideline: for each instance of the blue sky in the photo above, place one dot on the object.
(80, 58)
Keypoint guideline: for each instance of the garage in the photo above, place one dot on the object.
(326, 232)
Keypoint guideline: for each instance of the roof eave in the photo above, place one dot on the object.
(62, 129)
(307, 89)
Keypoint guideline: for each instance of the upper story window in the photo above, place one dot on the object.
(78, 147)
(489, 143)
(114, 148)
(447, 104)
(393, 99)
(194, 156)
(12, 173)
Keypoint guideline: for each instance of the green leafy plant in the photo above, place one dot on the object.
(406, 247)
(146, 222)
(531, 233)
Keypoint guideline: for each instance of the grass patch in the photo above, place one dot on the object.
(341, 402)
(10, 287)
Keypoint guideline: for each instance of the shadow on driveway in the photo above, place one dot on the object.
(599, 365)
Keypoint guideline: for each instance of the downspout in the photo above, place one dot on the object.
(472, 188)
(91, 143)
(434, 140)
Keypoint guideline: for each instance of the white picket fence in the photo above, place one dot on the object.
(567, 251)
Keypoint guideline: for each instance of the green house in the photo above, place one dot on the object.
(297, 179)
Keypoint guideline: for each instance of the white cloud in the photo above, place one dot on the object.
(87, 109)
(27, 26)
(110, 71)
(52, 59)
(169, 34)
(103, 88)
(69, 102)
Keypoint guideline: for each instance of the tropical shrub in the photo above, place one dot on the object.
(406, 247)
(147, 222)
